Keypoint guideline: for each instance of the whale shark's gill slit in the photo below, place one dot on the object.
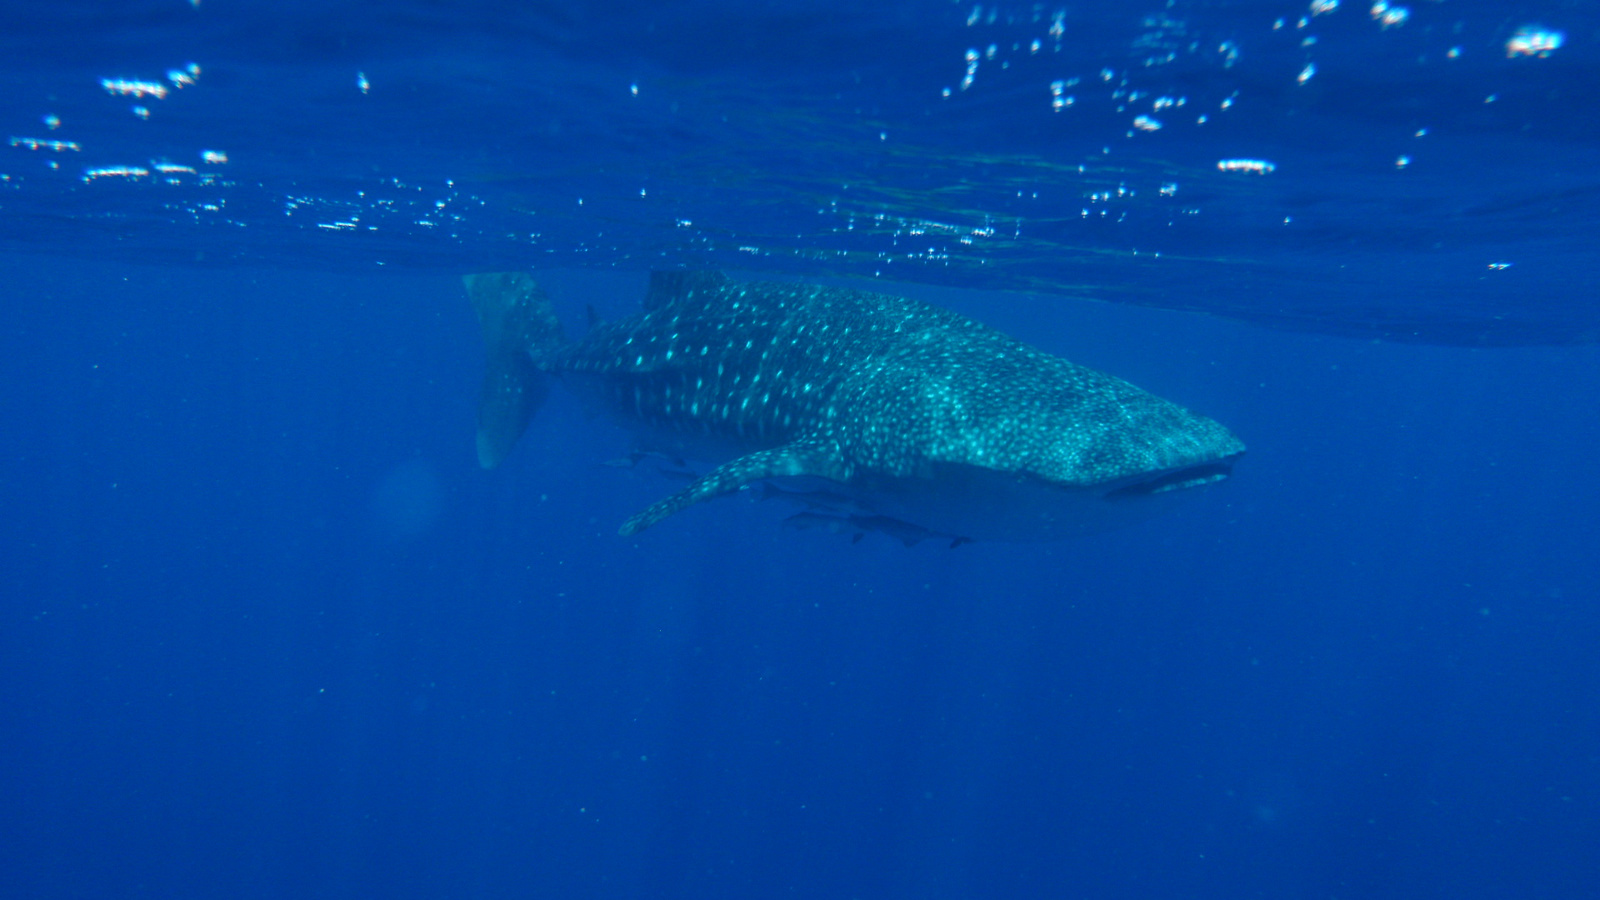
(1193, 476)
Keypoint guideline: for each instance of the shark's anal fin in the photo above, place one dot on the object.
(520, 331)
(819, 458)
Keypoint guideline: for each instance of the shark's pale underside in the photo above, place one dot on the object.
(876, 412)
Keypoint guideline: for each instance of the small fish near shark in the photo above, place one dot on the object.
(873, 412)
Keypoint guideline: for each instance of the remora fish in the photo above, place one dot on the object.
(876, 409)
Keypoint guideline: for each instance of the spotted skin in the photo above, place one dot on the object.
(879, 395)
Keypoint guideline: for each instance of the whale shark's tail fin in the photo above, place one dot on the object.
(521, 334)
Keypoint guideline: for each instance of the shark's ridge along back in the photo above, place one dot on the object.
(868, 407)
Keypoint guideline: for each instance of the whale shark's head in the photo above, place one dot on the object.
(1139, 445)
(1036, 449)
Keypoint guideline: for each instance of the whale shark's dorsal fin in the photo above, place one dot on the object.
(666, 287)
(819, 458)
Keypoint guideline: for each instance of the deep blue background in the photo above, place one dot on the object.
(268, 630)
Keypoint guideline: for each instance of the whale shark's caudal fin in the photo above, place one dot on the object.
(520, 333)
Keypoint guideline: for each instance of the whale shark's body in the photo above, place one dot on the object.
(878, 413)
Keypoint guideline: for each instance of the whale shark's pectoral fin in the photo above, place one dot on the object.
(809, 457)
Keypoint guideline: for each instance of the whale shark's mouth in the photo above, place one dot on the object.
(965, 502)
(1175, 479)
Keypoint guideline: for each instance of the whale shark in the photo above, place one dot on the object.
(873, 412)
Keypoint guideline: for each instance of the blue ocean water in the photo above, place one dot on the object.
(268, 630)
